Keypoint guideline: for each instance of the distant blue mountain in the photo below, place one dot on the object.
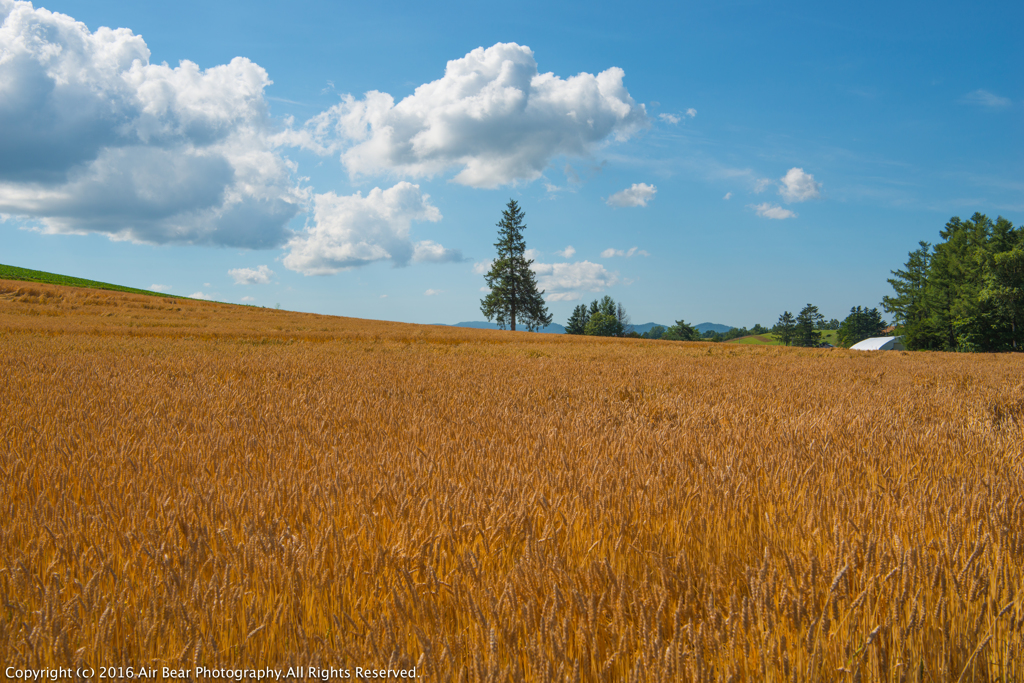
(721, 329)
(553, 328)
(646, 327)
(702, 328)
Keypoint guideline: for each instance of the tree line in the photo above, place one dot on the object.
(965, 293)
(604, 318)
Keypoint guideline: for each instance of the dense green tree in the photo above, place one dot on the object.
(785, 329)
(960, 295)
(582, 316)
(604, 325)
(578, 320)
(909, 307)
(806, 332)
(514, 295)
(654, 333)
(681, 331)
(861, 324)
(1005, 288)
(607, 306)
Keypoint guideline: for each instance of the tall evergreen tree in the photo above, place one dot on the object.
(862, 323)
(513, 296)
(623, 318)
(806, 332)
(578, 320)
(909, 307)
(785, 329)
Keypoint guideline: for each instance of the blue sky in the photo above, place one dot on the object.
(712, 163)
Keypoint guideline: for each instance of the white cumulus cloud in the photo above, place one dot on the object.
(493, 117)
(433, 292)
(566, 281)
(798, 186)
(691, 112)
(160, 288)
(629, 253)
(95, 138)
(669, 118)
(482, 267)
(199, 295)
(428, 251)
(637, 195)
(354, 230)
(248, 298)
(568, 252)
(773, 211)
(251, 276)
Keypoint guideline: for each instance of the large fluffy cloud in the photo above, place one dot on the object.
(354, 230)
(95, 138)
(493, 116)
(565, 281)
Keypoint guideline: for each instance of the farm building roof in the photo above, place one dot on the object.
(880, 344)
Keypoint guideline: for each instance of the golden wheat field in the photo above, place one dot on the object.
(194, 484)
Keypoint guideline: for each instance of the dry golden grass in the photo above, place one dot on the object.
(186, 483)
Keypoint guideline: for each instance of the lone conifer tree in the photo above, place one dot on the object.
(513, 294)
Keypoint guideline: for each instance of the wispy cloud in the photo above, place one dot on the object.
(984, 98)
(773, 211)
(728, 196)
(676, 118)
(433, 292)
(629, 253)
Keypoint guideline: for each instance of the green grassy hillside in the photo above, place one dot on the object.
(830, 336)
(16, 273)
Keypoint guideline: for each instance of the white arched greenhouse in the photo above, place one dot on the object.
(880, 344)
